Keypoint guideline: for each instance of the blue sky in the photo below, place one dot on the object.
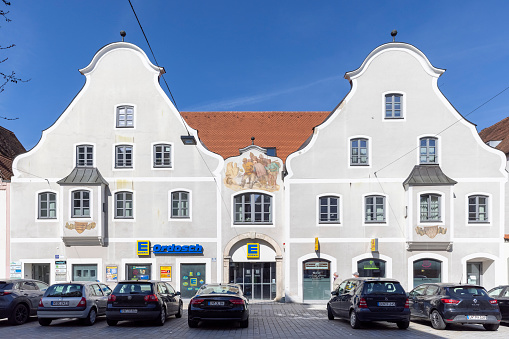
(251, 55)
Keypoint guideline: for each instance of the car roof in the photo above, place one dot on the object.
(452, 285)
(11, 281)
(369, 279)
(140, 281)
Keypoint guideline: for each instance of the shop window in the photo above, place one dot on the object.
(427, 271)
(138, 271)
(371, 268)
(316, 279)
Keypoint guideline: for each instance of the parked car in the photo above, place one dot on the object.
(369, 299)
(19, 299)
(143, 300)
(444, 304)
(501, 293)
(84, 300)
(224, 302)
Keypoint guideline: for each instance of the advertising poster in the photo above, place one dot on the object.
(111, 273)
(166, 273)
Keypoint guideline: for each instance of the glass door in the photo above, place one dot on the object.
(257, 280)
(316, 279)
(474, 273)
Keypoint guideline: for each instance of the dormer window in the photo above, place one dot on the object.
(125, 116)
(393, 106)
(85, 156)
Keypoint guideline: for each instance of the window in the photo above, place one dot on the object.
(428, 150)
(85, 156)
(80, 204)
(329, 209)
(180, 204)
(123, 205)
(427, 271)
(125, 115)
(359, 152)
(124, 156)
(162, 155)
(271, 151)
(47, 205)
(253, 208)
(393, 106)
(371, 268)
(375, 209)
(430, 207)
(478, 208)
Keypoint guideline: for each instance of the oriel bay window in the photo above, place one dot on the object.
(253, 208)
(80, 204)
(430, 207)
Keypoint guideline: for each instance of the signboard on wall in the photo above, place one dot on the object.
(15, 270)
(165, 273)
(60, 270)
(111, 273)
(253, 250)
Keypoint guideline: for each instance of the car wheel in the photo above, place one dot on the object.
(19, 315)
(162, 317)
(44, 321)
(491, 327)
(90, 319)
(437, 322)
(192, 323)
(244, 323)
(111, 322)
(403, 325)
(354, 321)
(181, 310)
(330, 315)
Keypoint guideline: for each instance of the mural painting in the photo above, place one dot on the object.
(253, 172)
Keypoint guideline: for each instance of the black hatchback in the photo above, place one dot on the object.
(370, 299)
(444, 304)
(143, 300)
(20, 298)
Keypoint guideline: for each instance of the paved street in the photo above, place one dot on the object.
(267, 320)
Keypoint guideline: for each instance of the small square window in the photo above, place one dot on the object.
(125, 116)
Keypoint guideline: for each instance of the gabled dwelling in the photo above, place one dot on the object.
(10, 147)
(395, 183)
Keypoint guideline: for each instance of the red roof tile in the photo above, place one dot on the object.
(225, 133)
(497, 132)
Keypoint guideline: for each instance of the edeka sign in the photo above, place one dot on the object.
(177, 249)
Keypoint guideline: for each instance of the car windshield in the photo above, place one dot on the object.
(222, 289)
(467, 291)
(5, 286)
(133, 288)
(383, 287)
(65, 290)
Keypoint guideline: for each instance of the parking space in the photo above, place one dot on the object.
(267, 320)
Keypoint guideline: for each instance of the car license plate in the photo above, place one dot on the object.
(384, 303)
(216, 303)
(129, 310)
(476, 317)
(59, 303)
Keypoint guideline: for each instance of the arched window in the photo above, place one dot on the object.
(80, 204)
(47, 202)
(371, 268)
(427, 271)
(253, 208)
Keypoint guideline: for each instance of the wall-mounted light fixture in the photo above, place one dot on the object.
(188, 140)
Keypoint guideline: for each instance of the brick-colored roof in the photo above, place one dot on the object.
(9, 144)
(225, 133)
(498, 131)
(5, 168)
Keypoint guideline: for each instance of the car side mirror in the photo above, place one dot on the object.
(334, 293)
(178, 293)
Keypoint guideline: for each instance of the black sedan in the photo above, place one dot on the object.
(444, 304)
(218, 302)
(20, 298)
(501, 293)
(143, 300)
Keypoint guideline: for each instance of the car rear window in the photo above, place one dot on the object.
(64, 290)
(383, 287)
(223, 289)
(133, 288)
(5, 286)
(467, 291)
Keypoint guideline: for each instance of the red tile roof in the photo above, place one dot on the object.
(9, 144)
(225, 133)
(497, 132)
(5, 168)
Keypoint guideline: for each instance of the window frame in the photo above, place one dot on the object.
(365, 212)
(252, 204)
(123, 208)
(487, 208)
(170, 206)
(48, 209)
(117, 114)
(392, 110)
(90, 194)
(115, 150)
(429, 196)
(153, 159)
(368, 151)
(86, 153)
(427, 154)
(339, 210)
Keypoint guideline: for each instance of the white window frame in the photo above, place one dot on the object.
(437, 149)
(152, 156)
(122, 219)
(57, 197)
(403, 106)
(489, 209)
(339, 223)
(115, 107)
(190, 195)
(91, 203)
(251, 225)
(386, 210)
(114, 164)
(349, 151)
(75, 154)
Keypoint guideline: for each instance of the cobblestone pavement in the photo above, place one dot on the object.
(267, 320)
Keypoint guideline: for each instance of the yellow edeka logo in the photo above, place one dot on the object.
(143, 247)
(253, 251)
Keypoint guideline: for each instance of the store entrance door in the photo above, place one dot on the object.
(316, 279)
(258, 280)
(40, 272)
(192, 276)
